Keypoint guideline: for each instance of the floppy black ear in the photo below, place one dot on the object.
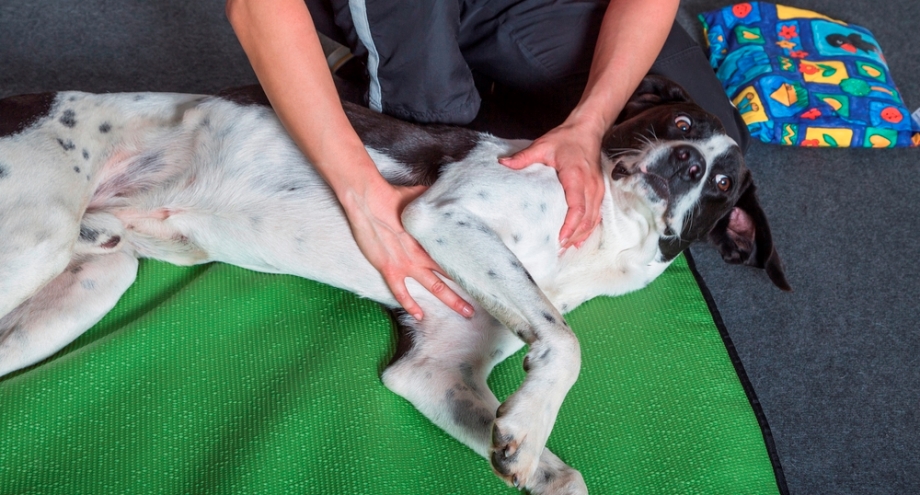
(653, 91)
(743, 236)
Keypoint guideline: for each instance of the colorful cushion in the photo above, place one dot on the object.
(800, 78)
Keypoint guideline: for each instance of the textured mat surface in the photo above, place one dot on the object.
(214, 379)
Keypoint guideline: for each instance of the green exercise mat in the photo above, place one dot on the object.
(215, 379)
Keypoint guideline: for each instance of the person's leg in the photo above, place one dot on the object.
(532, 58)
(323, 16)
(409, 53)
(540, 52)
(415, 69)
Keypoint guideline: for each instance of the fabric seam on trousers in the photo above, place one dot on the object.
(358, 9)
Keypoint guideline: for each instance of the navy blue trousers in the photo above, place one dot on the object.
(437, 60)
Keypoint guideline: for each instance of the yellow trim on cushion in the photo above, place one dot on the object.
(784, 12)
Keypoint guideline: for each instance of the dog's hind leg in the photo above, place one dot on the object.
(441, 368)
(64, 308)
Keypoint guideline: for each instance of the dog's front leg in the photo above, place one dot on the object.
(442, 371)
(476, 258)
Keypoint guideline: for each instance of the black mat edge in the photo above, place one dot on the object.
(742, 376)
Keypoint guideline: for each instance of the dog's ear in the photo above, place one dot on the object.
(653, 91)
(743, 236)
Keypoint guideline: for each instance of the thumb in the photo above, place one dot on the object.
(521, 159)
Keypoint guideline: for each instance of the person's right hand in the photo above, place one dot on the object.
(376, 225)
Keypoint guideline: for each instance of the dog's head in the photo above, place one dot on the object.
(691, 174)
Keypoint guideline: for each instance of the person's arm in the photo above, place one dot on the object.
(283, 47)
(631, 36)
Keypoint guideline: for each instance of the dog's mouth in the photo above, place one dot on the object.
(624, 169)
(636, 174)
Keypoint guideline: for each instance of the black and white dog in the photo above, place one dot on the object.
(90, 183)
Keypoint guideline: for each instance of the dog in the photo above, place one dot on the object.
(90, 183)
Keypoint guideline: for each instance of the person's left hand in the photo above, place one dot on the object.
(574, 151)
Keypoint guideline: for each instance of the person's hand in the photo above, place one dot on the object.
(574, 151)
(282, 44)
(376, 225)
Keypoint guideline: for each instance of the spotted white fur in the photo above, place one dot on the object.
(104, 179)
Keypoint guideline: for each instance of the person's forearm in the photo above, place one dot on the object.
(283, 47)
(281, 42)
(631, 36)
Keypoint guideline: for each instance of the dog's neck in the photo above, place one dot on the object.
(620, 256)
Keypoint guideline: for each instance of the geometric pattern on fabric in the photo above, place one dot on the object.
(800, 78)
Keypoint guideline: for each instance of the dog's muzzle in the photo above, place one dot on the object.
(664, 168)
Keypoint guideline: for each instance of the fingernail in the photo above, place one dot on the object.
(468, 311)
(417, 316)
(564, 241)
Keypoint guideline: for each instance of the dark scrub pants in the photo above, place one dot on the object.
(426, 58)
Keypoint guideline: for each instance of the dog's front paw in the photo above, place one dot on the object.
(518, 440)
(554, 477)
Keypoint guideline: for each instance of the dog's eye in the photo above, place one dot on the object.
(682, 122)
(723, 183)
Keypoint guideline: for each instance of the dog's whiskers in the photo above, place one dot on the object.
(624, 151)
(645, 139)
(689, 217)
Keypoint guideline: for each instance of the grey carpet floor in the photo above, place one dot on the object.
(835, 363)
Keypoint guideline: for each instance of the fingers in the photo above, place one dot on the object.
(378, 231)
(431, 281)
(428, 278)
(584, 194)
(524, 158)
(579, 174)
(401, 293)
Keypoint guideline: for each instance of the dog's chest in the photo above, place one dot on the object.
(605, 264)
(526, 210)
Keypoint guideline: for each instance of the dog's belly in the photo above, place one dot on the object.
(223, 182)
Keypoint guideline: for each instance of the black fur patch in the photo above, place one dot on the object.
(18, 113)
(246, 96)
(424, 149)
(105, 127)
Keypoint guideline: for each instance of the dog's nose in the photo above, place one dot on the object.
(689, 162)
